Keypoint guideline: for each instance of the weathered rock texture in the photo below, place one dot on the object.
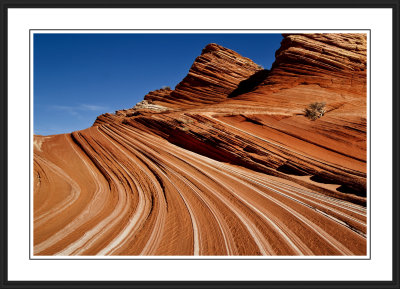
(158, 95)
(336, 61)
(215, 74)
(225, 164)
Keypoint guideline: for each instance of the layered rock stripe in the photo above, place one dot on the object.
(224, 164)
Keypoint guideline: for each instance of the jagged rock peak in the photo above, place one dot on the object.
(158, 94)
(216, 48)
(213, 47)
(214, 74)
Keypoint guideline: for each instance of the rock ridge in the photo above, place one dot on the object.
(213, 76)
(331, 60)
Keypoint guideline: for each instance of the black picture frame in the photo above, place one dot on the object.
(4, 161)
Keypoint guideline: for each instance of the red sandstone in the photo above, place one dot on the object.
(224, 164)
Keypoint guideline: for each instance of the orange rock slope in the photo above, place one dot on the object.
(224, 164)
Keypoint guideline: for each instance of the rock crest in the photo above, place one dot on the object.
(215, 74)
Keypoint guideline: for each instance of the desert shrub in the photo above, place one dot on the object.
(315, 110)
(166, 87)
(260, 66)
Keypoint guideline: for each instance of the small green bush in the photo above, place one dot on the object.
(315, 110)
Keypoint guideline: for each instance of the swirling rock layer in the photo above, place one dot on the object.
(336, 61)
(215, 74)
(225, 164)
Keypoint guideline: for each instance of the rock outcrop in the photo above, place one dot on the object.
(336, 61)
(158, 95)
(145, 105)
(224, 164)
(214, 75)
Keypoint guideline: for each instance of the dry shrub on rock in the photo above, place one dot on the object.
(315, 110)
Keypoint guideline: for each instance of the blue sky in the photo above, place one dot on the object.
(80, 76)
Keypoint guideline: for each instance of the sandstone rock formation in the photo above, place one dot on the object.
(336, 61)
(224, 164)
(158, 95)
(213, 76)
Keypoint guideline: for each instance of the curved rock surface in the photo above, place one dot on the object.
(225, 164)
(215, 74)
(336, 61)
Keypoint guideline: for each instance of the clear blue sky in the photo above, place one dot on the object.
(80, 76)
